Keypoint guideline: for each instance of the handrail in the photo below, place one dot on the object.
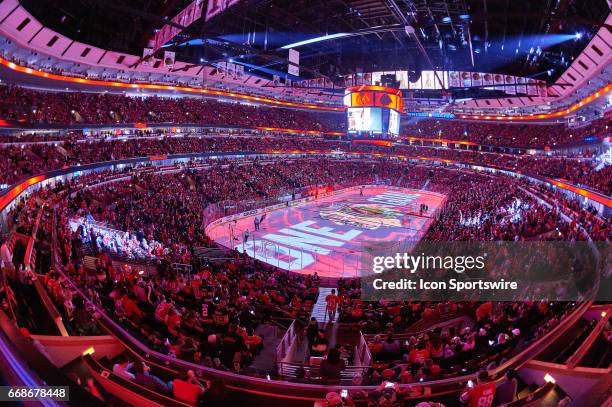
(417, 329)
(54, 314)
(7, 288)
(583, 349)
(363, 354)
(362, 363)
(30, 252)
(285, 343)
(534, 349)
(533, 396)
(103, 374)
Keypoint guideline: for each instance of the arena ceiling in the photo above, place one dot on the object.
(534, 38)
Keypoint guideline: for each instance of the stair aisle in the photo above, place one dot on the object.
(319, 309)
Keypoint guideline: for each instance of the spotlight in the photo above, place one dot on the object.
(578, 36)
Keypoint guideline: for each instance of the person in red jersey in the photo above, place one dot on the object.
(419, 354)
(332, 301)
(480, 395)
(188, 389)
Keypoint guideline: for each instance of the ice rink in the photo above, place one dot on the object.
(326, 235)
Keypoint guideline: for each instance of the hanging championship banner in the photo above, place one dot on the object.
(542, 90)
(293, 68)
(454, 78)
(294, 57)
(510, 85)
(521, 85)
(147, 56)
(185, 18)
(532, 89)
(499, 82)
(169, 58)
(218, 6)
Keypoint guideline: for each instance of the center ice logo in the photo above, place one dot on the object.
(365, 216)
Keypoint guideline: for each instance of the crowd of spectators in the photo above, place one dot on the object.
(210, 314)
(146, 201)
(481, 208)
(22, 160)
(437, 354)
(583, 170)
(35, 107)
(520, 135)
(478, 207)
(62, 108)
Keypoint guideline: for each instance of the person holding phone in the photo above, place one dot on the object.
(480, 394)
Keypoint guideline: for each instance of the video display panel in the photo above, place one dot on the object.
(394, 122)
(364, 119)
(347, 99)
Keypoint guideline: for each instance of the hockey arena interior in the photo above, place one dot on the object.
(272, 202)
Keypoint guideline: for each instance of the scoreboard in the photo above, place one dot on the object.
(373, 112)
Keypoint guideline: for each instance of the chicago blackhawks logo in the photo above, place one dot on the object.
(363, 215)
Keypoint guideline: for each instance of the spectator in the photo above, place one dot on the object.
(123, 368)
(331, 367)
(188, 389)
(481, 394)
(312, 331)
(506, 390)
(331, 305)
(143, 377)
(390, 347)
(319, 344)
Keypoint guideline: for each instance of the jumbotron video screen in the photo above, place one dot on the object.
(372, 122)
(373, 112)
